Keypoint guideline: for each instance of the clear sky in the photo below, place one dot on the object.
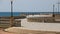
(28, 5)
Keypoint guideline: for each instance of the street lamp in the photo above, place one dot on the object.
(53, 10)
(11, 8)
(12, 18)
(58, 6)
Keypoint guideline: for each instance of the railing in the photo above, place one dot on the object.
(6, 23)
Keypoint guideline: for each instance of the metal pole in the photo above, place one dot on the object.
(11, 8)
(58, 6)
(53, 10)
(11, 19)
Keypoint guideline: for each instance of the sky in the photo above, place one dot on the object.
(28, 5)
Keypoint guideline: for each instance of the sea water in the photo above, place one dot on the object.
(19, 13)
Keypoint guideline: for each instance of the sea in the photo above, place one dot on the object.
(19, 13)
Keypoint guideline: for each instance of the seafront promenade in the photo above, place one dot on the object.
(31, 24)
(47, 18)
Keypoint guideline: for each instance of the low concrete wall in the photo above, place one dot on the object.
(41, 26)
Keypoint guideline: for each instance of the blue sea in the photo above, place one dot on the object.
(19, 13)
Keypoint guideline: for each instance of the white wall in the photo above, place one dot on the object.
(41, 26)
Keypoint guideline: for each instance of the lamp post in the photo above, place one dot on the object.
(11, 18)
(58, 6)
(53, 10)
(11, 8)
